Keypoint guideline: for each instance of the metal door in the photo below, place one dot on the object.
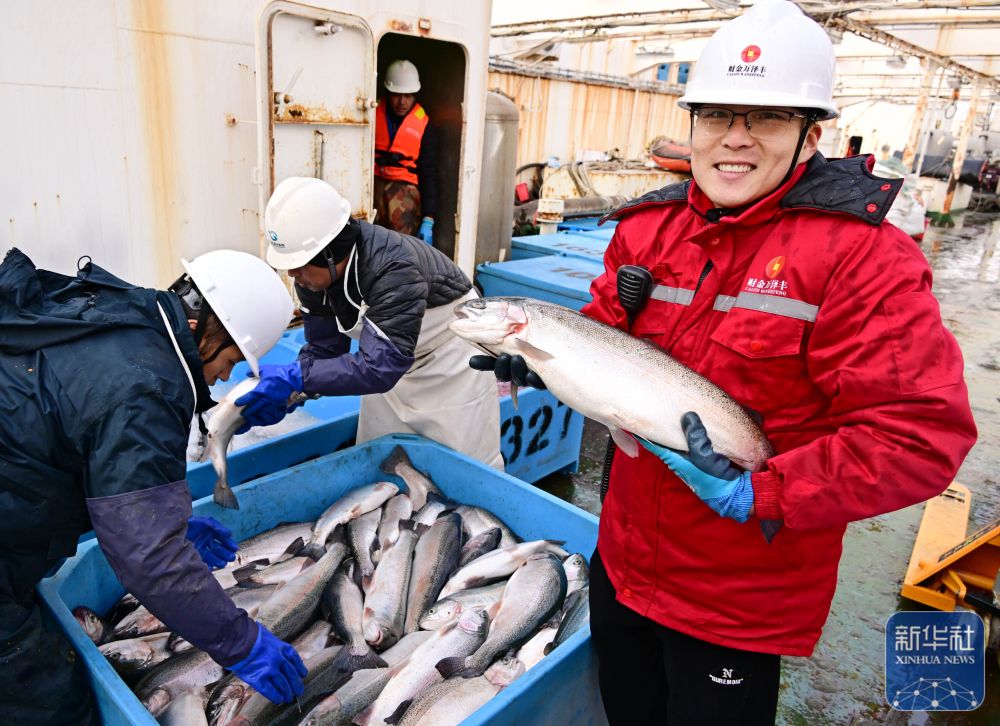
(317, 74)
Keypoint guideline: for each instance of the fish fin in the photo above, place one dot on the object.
(449, 667)
(224, 496)
(396, 715)
(295, 546)
(421, 528)
(524, 347)
(313, 551)
(410, 524)
(624, 441)
(396, 458)
(243, 574)
(347, 661)
(549, 647)
(492, 610)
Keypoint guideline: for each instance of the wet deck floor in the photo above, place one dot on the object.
(842, 683)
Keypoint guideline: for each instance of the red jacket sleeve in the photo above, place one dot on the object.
(879, 350)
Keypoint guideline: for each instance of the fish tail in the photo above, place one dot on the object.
(350, 659)
(224, 496)
(456, 666)
(395, 459)
(313, 550)
(397, 715)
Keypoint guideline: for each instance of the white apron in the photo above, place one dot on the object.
(440, 398)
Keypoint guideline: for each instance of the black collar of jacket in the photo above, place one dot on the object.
(177, 321)
(846, 186)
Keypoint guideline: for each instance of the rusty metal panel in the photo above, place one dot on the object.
(563, 118)
(319, 95)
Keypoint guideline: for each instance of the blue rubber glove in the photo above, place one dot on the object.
(267, 404)
(722, 485)
(272, 668)
(427, 230)
(213, 541)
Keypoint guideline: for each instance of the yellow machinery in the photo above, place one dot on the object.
(950, 569)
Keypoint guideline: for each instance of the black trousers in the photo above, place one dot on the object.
(650, 674)
(42, 681)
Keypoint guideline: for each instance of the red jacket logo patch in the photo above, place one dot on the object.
(775, 266)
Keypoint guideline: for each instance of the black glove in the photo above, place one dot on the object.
(507, 368)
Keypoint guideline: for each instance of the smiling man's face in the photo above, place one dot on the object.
(735, 168)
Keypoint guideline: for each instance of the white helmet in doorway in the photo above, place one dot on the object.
(401, 77)
(301, 218)
(772, 55)
(247, 297)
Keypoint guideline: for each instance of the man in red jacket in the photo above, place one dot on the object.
(775, 277)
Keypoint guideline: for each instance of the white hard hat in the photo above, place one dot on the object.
(401, 77)
(772, 55)
(302, 216)
(247, 297)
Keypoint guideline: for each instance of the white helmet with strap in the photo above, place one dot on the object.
(247, 297)
(401, 77)
(301, 218)
(772, 55)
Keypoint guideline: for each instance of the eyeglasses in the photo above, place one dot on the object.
(761, 123)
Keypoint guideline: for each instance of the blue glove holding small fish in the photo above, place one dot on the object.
(722, 485)
(267, 404)
(273, 668)
(508, 369)
(426, 232)
(213, 541)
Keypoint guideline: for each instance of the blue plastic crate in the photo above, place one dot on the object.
(562, 280)
(606, 232)
(561, 689)
(564, 244)
(585, 224)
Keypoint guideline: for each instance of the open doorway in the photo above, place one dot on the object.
(442, 68)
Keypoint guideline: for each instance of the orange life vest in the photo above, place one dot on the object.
(397, 161)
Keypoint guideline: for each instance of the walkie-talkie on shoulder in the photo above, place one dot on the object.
(635, 284)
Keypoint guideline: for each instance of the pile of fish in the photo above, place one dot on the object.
(406, 608)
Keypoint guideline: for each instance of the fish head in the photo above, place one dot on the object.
(474, 621)
(92, 625)
(376, 633)
(488, 321)
(440, 614)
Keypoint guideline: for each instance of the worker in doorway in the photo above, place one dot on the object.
(406, 148)
(775, 277)
(98, 382)
(394, 295)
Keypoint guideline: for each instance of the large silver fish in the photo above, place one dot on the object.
(136, 656)
(449, 703)
(626, 383)
(396, 510)
(498, 564)
(476, 520)
(362, 533)
(225, 419)
(187, 708)
(410, 678)
(289, 610)
(532, 596)
(364, 687)
(350, 506)
(343, 605)
(447, 610)
(385, 602)
(435, 558)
